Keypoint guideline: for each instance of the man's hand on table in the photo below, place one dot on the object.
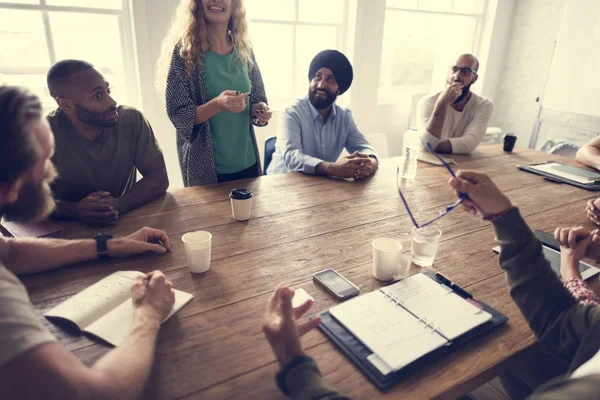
(142, 241)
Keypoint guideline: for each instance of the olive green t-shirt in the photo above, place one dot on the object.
(108, 164)
(232, 145)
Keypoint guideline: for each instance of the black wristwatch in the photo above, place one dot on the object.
(101, 239)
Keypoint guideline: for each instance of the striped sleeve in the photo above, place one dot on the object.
(179, 98)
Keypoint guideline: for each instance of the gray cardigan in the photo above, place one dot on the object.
(194, 142)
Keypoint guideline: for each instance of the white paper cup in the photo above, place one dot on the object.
(388, 261)
(241, 208)
(197, 250)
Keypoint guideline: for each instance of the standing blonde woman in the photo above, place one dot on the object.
(214, 92)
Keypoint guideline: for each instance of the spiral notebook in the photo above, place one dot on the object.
(404, 322)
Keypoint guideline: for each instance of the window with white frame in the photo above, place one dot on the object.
(34, 34)
(286, 35)
(421, 39)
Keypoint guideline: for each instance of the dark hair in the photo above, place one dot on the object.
(18, 109)
(60, 74)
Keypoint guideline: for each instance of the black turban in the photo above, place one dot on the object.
(337, 63)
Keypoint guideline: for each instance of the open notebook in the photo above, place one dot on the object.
(405, 321)
(105, 309)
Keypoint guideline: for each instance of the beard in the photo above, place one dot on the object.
(34, 202)
(96, 118)
(465, 92)
(321, 103)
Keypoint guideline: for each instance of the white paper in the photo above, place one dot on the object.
(116, 325)
(105, 309)
(413, 319)
(389, 331)
(449, 313)
(90, 304)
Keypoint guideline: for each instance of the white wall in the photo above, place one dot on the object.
(534, 29)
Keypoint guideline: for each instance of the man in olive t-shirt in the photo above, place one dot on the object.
(99, 148)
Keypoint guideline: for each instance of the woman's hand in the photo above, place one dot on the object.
(261, 112)
(232, 101)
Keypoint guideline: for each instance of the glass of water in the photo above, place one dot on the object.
(424, 245)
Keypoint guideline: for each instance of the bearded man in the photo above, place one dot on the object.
(313, 132)
(455, 120)
(99, 148)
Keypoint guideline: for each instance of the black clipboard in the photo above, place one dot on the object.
(357, 352)
(559, 179)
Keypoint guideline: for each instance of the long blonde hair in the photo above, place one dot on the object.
(188, 27)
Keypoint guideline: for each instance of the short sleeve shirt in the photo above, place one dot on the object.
(108, 164)
(21, 328)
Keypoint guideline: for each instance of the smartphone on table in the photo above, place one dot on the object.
(335, 283)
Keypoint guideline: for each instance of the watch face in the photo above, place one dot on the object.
(103, 236)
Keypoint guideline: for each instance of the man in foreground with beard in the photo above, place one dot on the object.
(313, 132)
(99, 148)
(456, 119)
(32, 364)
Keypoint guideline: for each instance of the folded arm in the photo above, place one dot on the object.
(431, 115)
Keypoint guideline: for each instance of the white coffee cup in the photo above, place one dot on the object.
(241, 203)
(197, 250)
(388, 261)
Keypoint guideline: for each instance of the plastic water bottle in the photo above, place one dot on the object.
(411, 145)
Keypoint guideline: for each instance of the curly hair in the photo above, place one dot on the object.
(188, 28)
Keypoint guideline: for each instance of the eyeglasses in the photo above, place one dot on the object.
(446, 209)
(463, 71)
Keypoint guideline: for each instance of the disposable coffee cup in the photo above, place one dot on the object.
(388, 261)
(509, 142)
(241, 203)
(197, 250)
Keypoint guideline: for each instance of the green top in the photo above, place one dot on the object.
(232, 144)
(108, 164)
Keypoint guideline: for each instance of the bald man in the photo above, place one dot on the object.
(455, 120)
(99, 148)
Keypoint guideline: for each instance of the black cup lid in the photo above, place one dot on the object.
(241, 194)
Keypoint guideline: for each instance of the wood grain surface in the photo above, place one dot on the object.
(214, 347)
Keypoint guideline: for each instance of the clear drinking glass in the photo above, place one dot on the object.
(424, 245)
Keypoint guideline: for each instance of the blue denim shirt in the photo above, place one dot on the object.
(304, 140)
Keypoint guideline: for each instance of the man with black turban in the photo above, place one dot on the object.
(313, 132)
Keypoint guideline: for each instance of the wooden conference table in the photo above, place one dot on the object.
(214, 347)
